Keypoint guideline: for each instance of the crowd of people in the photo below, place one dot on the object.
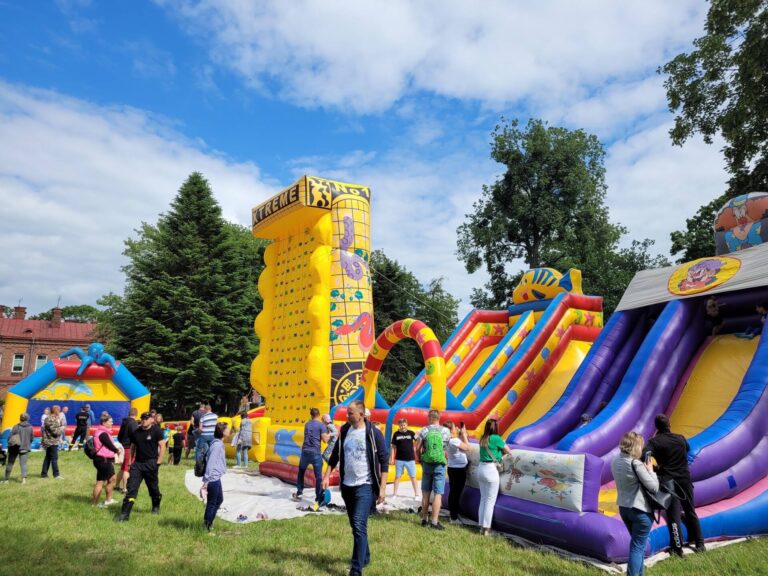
(363, 459)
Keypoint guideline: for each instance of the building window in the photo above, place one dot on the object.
(18, 364)
(41, 360)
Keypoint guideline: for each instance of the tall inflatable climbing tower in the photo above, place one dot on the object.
(316, 326)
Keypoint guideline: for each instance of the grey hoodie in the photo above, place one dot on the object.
(24, 430)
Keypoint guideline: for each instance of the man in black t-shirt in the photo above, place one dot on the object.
(671, 453)
(81, 427)
(403, 455)
(147, 448)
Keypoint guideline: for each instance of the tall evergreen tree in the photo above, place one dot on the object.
(185, 323)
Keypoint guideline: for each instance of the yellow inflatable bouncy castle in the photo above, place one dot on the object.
(316, 325)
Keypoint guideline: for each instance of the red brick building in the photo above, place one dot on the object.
(25, 345)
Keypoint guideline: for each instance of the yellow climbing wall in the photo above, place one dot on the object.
(316, 326)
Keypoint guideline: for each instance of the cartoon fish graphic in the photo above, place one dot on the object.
(545, 284)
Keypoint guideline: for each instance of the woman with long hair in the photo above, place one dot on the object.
(19, 446)
(492, 449)
(457, 466)
(628, 472)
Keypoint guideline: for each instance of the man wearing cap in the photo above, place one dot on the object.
(147, 448)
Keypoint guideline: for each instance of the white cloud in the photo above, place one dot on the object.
(654, 186)
(77, 179)
(363, 56)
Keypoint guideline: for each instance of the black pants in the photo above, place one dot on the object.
(457, 477)
(177, 455)
(79, 433)
(146, 471)
(686, 507)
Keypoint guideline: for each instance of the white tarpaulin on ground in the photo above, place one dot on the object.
(254, 497)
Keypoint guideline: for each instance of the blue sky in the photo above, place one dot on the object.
(105, 107)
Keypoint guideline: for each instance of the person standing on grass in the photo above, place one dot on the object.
(628, 472)
(63, 418)
(363, 460)
(104, 460)
(19, 446)
(314, 433)
(244, 440)
(432, 444)
(176, 444)
(46, 413)
(215, 468)
(127, 428)
(51, 433)
(193, 429)
(403, 455)
(81, 428)
(208, 420)
(147, 448)
(492, 449)
(91, 421)
(457, 467)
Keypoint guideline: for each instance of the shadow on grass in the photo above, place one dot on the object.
(182, 523)
(23, 550)
(321, 563)
(84, 498)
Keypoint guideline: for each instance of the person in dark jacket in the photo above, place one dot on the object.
(21, 436)
(671, 454)
(127, 428)
(363, 460)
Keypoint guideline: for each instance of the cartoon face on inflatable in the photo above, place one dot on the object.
(545, 284)
(742, 223)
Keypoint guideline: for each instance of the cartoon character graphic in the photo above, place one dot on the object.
(354, 262)
(740, 223)
(701, 274)
(546, 283)
(747, 233)
(515, 473)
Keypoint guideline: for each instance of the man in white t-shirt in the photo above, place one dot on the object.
(363, 461)
(431, 445)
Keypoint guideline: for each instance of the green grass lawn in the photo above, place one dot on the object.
(49, 527)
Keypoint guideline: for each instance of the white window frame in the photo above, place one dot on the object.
(13, 366)
(40, 363)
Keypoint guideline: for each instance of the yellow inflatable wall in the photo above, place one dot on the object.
(316, 325)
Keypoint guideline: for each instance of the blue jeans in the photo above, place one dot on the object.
(639, 524)
(202, 444)
(215, 498)
(51, 459)
(358, 500)
(241, 455)
(314, 459)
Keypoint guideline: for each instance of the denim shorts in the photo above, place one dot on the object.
(433, 478)
(409, 465)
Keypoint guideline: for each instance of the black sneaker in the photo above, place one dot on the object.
(424, 522)
(700, 549)
(437, 526)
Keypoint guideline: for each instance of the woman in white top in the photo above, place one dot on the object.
(628, 471)
(457, 467)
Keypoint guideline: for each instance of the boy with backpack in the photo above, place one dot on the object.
(432, 444)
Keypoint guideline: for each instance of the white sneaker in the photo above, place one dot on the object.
(109, 502)
(3, 481)
(23, 480)
(59, 477)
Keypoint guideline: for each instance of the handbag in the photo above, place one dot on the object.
(235, 439)
(119, 456)
(14, 440)
(662, 498)
(498, 463)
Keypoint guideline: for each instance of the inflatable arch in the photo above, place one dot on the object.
(430, 349)
(58, 382)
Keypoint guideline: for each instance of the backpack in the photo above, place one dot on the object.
(201, 464)
(89, 448)
(432, 450)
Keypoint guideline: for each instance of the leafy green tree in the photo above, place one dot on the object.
(185, 324)
(548, 210)
(721, 87)
(77, 313)
(397, 295)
